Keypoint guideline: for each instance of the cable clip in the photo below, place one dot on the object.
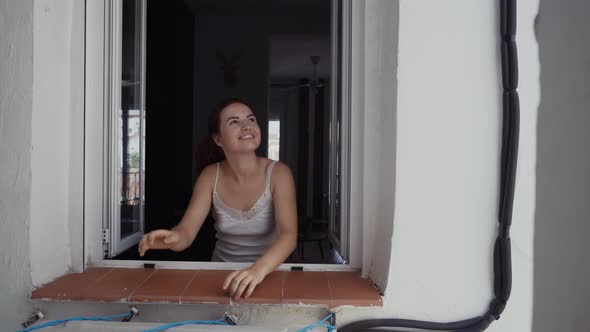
(33, 319)
(230, 319)
(133, 311)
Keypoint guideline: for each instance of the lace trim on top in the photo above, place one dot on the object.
(240, 215)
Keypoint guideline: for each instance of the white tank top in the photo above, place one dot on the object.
(243, 236)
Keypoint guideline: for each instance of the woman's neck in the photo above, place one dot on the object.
(242, 166)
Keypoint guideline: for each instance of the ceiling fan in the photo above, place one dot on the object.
(314, 83)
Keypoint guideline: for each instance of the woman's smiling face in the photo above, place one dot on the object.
(238, 129)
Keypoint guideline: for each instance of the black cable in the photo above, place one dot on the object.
(502, 251)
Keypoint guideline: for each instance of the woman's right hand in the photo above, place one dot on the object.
(159, 239)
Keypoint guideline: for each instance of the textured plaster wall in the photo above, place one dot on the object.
(446, 182)
(446, 147)
(16, 97)
(447, 160)
(57, 136)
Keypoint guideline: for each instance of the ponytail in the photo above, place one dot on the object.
(209, 152)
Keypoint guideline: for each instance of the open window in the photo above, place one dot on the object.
(125, 139)
(170, 62)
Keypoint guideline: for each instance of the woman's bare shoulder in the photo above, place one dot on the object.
(281, 173)
(208, 175)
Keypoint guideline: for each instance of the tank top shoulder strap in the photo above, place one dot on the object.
(216, 177)
(269, 173)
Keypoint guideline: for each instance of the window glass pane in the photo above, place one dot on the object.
(336, 144)
(130, 119)
(274, 136)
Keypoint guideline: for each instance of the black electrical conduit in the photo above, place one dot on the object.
(502, 255)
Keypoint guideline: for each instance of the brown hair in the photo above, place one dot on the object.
(209, 152)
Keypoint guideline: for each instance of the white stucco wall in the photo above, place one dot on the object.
(378, 108)
(57, 129)
(16, 82)
(448, 155)
(562, 230)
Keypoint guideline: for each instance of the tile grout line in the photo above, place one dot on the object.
(330, 291)
(138, 287)
(283, 298)
(185, 287)
(102, 277)
(210, 298)
(95, 281)
(282, 301)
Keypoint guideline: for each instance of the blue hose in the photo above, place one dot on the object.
(63, 321)
(166, 326)
(319, 324)
(186, 322)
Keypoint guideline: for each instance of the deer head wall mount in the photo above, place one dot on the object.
(230, 66)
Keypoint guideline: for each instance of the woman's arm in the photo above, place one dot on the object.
(182, 235)
(285, 209)
(198, 208)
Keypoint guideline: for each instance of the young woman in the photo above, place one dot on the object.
(253, 202)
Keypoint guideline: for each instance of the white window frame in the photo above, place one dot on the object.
(96, 125)
(341, 156)
(112, 197)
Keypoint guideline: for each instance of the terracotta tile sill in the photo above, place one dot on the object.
(204, 286)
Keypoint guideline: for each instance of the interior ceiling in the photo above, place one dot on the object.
(289, 54)
(259, 7)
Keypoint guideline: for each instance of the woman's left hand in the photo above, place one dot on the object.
(243, 282)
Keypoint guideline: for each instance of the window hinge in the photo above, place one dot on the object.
(106, 235)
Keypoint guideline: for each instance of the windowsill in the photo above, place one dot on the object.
(330, 289)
